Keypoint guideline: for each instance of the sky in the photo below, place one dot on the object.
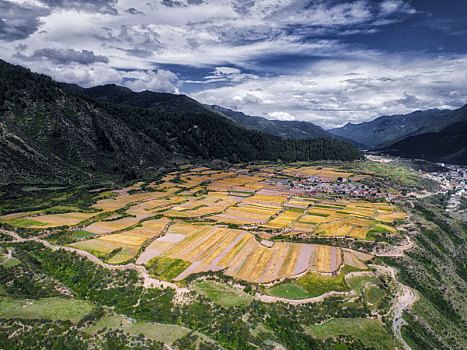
(325, 61)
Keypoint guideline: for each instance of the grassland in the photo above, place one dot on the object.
(157, 331)
(49, 308)
(167, 268)
(369, 331)
(222, 294)
(308, 286)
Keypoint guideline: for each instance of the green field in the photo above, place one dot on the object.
(373, 294)
(359, 282)
(166, 268)
(48, 308)
(21, 222)
(81, 234)
(369, 331)
(222, 294)
(310, 285)
(290, 291)
(157, 331)
(9, 262)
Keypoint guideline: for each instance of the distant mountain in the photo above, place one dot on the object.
(448, 145)
(49, 133)
(167, 102)
(162, 101)
(386, 130)
(284, 129)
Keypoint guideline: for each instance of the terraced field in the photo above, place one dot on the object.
(206, 220)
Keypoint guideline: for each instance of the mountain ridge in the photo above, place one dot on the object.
(448, 145)
(386, 130)
(51, 133)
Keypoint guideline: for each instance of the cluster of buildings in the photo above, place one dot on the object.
(320, 187)
(453, 180)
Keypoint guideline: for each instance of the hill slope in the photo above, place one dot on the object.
(284, 129)
(389, 129)
(51, 133)
(167, 102)
(448, 145)
(161, 101)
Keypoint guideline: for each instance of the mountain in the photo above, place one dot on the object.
(161, 101)
(386, 130)
(284, 129)
(448, 145)
(51, 133)
(167, 102)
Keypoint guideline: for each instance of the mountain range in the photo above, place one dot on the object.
(386, 130)
(52, 132)
(448, 145)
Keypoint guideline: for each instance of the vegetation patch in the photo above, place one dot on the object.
(167, 268)
(369, 331)
(165, 333)
(310, 285)
(289, 291)
(222, 294)
(22, 222)
(82, 234)
(49, 308)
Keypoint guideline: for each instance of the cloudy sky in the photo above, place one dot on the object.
(324, 61)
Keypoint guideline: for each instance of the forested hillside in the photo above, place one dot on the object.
(448, 145)
(51, 133)
(385, 130)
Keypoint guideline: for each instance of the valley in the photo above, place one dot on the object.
(261, 239)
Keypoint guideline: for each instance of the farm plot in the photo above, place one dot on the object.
(108, 226)
(123, 199)
(284, 219)
(120, 247)
(227, 183)
(150, 208)
(211, 248)
(247, 214)
(328, 173)
(50, 220)
(347, 219)
(214, 202)
(177, 233)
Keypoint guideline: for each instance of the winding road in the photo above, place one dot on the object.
(406, 297)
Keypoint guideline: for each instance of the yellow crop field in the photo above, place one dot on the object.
(351, 260)
(212, 248)
(272, 268)
(290, 260)
(123, 255)
(254, 266)
(101, 248)
(112, 225)
(359, 232)
(389, 217)
(304, 227)
(96, 247)
(55, 220)
(324, 256)
(124, 239)
(283, 220)
(260, 198)
(246, 239)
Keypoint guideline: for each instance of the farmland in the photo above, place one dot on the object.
(243, 247)
(196, 220)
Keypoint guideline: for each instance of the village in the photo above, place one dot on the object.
(318, 186)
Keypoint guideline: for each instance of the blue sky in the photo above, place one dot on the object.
(328, 62)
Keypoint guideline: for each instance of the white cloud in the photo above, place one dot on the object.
(332, 92)
(230, 38)
(281, 116)
(160, 80)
